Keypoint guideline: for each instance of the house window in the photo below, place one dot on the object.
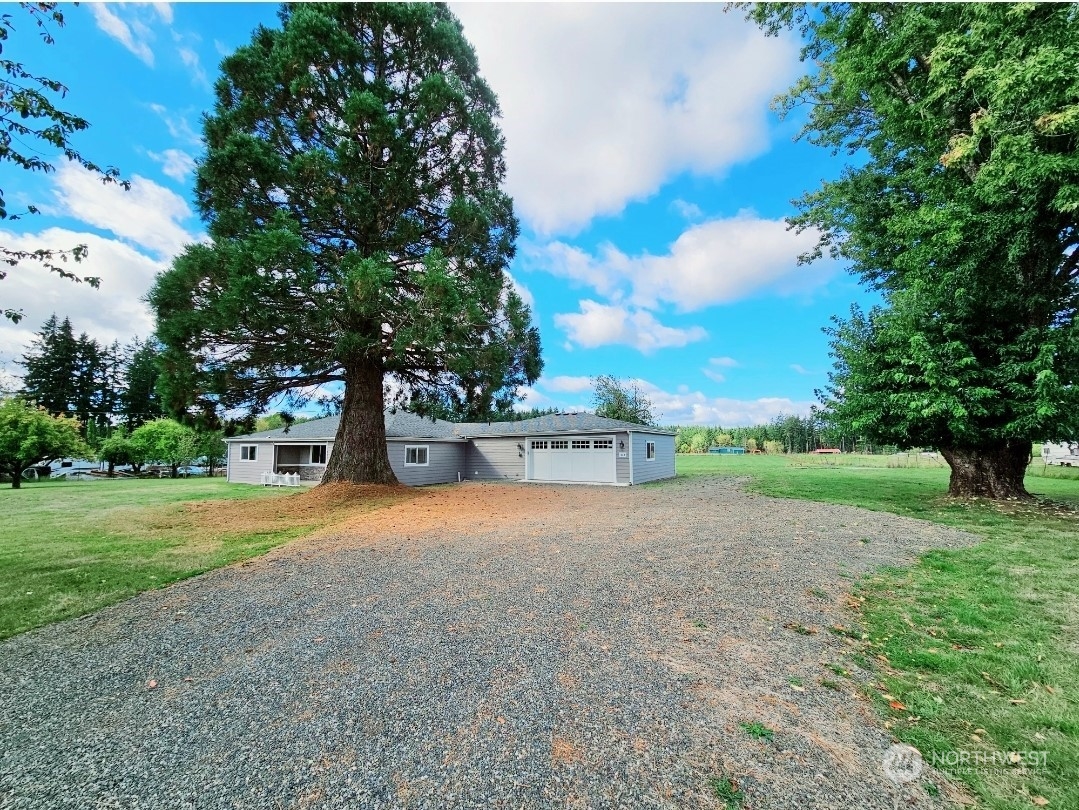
(318, 454)
(249, 452)
(580, 445)
(650, 451)
(559, 444)
(416, 456)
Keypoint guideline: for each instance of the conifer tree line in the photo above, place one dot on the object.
(786, 433)
(104, 386)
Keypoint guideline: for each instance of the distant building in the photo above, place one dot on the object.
(1061, 454)
(728, 451)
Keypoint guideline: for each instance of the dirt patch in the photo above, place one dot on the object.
(316, 507)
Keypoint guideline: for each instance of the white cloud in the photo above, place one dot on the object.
(713, 375)
(686, 210)
(175, 163)
(522, 290)
(115, 311)
(566, 384)
(605, 102)
(119, 30)
(694, 408)
(530, 398)
(164, 11)
(723, 362)
(191, 61)
(148, 214)
(800, 369)
(714, 262)
(601, 324)
(221, 48)
(177, 125)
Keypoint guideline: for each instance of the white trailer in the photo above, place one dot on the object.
(1061, 454)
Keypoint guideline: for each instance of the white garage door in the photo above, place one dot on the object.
(590, 459)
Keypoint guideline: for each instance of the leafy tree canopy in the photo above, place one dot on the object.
(961, 209)
(617, 400)
(352, 190)
(30, 435)
(31, 127)
(164, 441)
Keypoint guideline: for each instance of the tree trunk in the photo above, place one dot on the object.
(16, 477)
(359, 450)
(988, 472)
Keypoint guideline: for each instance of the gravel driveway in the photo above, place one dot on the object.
(483, 645)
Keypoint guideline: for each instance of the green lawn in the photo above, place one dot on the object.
(980, 647)
(70, 548)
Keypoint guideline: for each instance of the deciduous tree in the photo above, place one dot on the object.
(352, 192)
(164, 441)
(962, 209)
(617, 400)
(30, 435)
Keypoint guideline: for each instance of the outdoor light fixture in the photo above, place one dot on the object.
(621, 445)
(520, 450)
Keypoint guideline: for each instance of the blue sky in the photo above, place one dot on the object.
(649, 175)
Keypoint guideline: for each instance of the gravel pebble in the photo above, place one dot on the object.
(482, 646)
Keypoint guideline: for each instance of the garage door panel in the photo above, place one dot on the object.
(577, 460)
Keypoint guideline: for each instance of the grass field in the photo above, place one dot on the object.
(976, 649)
(70, 548)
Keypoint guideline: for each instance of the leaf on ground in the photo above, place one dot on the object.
(1039, 801)
(151, 684)
(895, 704)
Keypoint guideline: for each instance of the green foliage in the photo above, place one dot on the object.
(165, 441)
(758, 731)
(31, 125)
(30, 435)
(351, 187)
(118, 450)
(98, 384)
(139, 398)
(963, 211)
(616, 400)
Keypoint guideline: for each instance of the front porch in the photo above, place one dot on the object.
(306, 461)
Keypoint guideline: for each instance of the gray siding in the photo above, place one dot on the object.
(444, 461)
(249, 472)
(621, 465)
(660, 467)
(496, 459)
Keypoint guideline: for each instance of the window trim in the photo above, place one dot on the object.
(426, 455)
(325, 455)
(250, 457)
(649, 451)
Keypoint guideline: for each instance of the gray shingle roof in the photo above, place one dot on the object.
(405, 425)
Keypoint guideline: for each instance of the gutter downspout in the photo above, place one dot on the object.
(631, 458)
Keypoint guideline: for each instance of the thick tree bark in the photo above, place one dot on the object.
(988, 472)
(359, 450)
(16, 478)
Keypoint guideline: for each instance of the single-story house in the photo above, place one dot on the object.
(563, 448)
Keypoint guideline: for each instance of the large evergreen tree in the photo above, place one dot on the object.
(962, 209)
(139, 400)
(52, 367)
(352, 191)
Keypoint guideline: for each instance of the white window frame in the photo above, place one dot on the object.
(253, 452)
(325, 455)
(426, 448)
(649, 451)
